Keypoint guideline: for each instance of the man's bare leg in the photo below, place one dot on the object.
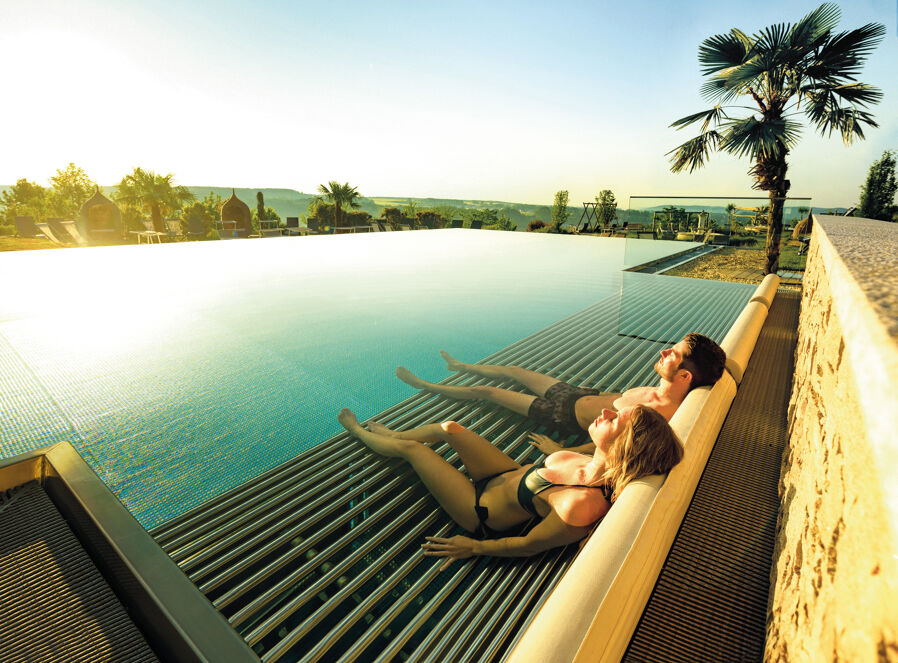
(513, 400)
(535, 382)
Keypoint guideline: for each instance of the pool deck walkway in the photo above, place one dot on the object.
(710, 600)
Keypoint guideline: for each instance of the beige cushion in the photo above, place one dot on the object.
(699, 419)
(567, 614)
(740, 341)
(767, 290)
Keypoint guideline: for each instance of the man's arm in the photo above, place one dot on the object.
(549, 446)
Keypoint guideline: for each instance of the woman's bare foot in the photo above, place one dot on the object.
(411, 379)
(375, 427)
(378, 443)
(349, 421)
(453, 364)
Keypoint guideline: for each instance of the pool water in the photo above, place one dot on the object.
(181, 370)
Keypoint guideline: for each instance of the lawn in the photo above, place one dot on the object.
(741, 264)
(10, 243)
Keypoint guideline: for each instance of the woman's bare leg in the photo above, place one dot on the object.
(450, 488)
(535, 382)
(513, 400)
(426, 433)
(480, 456)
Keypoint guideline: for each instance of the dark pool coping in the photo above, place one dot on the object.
(659, 264)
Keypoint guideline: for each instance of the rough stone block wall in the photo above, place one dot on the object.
(835, 572)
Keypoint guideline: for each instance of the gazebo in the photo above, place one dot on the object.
(100, 219)
(235, 216)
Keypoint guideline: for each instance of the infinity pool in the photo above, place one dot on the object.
(181, 370)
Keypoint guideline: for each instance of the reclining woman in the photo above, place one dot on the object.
(569, 493)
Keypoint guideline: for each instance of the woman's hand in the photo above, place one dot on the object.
(456, 547)
(544, 443)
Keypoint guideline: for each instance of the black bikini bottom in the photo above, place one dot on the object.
(483, 530)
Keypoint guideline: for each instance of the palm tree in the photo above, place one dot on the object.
(785, 70)
(158, 194)
(339, 195)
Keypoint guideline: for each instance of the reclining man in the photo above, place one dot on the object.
(693, 362)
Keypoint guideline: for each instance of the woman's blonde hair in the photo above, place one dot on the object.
(647, 446)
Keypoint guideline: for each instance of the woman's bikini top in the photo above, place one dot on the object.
(532, 484)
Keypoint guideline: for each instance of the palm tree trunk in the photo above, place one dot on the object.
(777, 196)
(774, 233)
(156, 215)
(337, 215)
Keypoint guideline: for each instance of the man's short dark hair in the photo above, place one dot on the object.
(704, 359)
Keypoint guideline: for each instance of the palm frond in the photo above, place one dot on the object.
(810, 30)
(714, 115)
(694, 152)
(844, 54)
(722, 52)
(756, 138)
(860, 94)
(748, 74)
(820, 100)
(847, 121)
(716, 90)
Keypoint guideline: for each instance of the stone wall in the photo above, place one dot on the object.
(834, 593)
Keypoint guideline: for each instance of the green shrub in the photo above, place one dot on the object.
(7, 230)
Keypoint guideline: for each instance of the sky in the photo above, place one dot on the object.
(496, 100)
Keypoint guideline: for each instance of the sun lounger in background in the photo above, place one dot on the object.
(456, 223)
(313, 226)
(195, 229)
(49, 234)
(25, 227)
(71, 227)
(476, 225)
(292, 226)
(173, 228)
(269, 228)
(148, 234)
(227, 229)
(61, 230)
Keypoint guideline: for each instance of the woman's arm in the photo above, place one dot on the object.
(550, 532)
